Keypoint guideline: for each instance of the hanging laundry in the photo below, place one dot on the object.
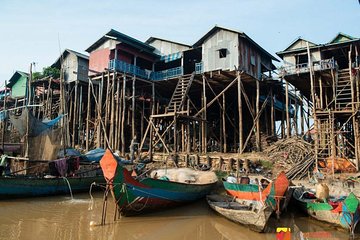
(61, 166)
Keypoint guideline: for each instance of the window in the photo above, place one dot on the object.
(252, 60)
(222, 53)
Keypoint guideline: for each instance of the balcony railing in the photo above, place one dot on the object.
(199, 68)
(145, 74)
(166, 74)
(305, 67)
(129, 68)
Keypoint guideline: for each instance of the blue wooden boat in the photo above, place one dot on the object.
(136, 195)
(26, 186)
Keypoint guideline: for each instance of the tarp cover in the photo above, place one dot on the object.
(36, 127)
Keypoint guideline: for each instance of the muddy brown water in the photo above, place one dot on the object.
(64, 218)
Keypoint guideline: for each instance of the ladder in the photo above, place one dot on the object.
(180, 93)
(343, 90)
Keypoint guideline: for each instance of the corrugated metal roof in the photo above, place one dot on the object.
(125, 39)
(65, 53)
(242, 34)
(320, 46)
(151, 39)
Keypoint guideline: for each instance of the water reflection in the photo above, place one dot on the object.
(63, 218)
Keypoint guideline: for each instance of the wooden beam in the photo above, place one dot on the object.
(215, 98)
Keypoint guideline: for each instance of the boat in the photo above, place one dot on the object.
(33, 186)
(343, 211)
(47, 179)
(254, 215)
(135, 195)
(265, 191)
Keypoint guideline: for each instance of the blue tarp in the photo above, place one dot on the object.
(95, 155)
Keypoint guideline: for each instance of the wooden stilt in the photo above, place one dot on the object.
(88, 116)
(240, 113)
(123, 117)
(288, 125)
(258, 146)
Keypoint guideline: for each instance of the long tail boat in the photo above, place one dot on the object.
(342, 211)
(272, 194)
(253, 215)
(137, 195)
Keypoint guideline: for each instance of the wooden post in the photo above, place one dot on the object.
(99, 115)
(314, 105)
(288, 125)
(224, 123)
(112, 112)
(296, 113)
(241, 141)
(107, 108)
(133, 108)
(272, 113)
(151, 128)
(74, 117)
(123, 117)
(258, 145)
(116, 124)
(80, 122)
(302, 115)
(204, 117)
(88, 116)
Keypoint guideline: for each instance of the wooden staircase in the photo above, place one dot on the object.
(343, 90)
(179, 96)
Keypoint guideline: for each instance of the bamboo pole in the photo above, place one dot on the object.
(240, 112)
(204, 123)
(272, 113)
(258, 145)
(215, 98)
(80, 122)
(116, 124)
(107, 108)
(123, 117)
(112, 112)
(224, 123)
(288, 125)
(99, 111)
(88, 116)
(74, 114)
(312, 84)
(133, 109)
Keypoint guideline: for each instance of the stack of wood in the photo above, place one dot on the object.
(292, 155)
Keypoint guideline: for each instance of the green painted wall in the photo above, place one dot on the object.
(19, 88)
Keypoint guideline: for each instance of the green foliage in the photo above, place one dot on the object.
(47, 72)
(51, 72)
(37, 75)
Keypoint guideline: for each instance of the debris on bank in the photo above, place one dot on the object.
(293, 155)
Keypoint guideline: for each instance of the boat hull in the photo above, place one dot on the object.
(22, 187)
(134, 196)
(341, 216)
(255, 219)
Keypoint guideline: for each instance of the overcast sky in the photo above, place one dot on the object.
(36, 31)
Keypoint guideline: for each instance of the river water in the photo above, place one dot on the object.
(66, 219)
